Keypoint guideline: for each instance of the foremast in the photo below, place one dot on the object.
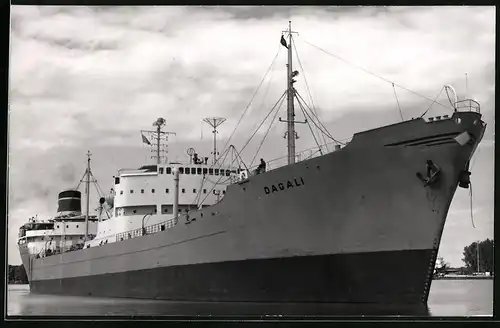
(291, 134)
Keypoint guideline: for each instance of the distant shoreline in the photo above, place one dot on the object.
(464, 278)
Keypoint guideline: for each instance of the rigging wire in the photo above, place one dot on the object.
(324, 130)
(213, 187)
(310, 128)
(475, 158)
(397, 100)
(307, 115)
(253, 134)
(253, 97)
(308, 90)
(268, 129)
(433, 102)
(373, 74)
(471, 212)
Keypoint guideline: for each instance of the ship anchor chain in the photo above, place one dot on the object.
(433, 173)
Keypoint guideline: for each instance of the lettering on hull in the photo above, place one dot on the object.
(296, 182)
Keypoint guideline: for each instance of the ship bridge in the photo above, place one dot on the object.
(150, 188)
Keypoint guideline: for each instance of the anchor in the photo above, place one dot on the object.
(433, 173)
(464, 180)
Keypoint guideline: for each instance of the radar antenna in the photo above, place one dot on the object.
(214, 122)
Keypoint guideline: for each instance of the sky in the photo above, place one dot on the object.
(90, 78)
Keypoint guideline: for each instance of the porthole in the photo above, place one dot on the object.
(458, 120)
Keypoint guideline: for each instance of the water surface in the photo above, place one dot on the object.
(447, 298)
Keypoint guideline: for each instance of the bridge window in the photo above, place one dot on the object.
(153, 191)
(193, 170)
(205, 170)
(198, 170)
(142, 191)
(183, 190)
(166, 190)
(210, 171)
(181, 170)
(204, 191)
(216, 171)
(194, 191)
(228, 173)
(187, 171)
(161, 170)
(169, 170)
(222, 172)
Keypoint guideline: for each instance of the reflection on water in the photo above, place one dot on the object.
(447, 298)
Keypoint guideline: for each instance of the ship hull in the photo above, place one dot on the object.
(343, 278)
(353, 226)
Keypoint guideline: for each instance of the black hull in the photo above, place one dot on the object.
(377, 277)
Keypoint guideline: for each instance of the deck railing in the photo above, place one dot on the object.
(299, 156)
(468, 105)
(148, 230)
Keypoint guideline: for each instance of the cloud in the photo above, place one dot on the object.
(89, 78)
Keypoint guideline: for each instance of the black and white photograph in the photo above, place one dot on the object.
(254, 161)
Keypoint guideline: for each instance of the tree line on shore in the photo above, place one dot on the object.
(482, 251)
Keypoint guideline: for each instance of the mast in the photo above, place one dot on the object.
(290, 96)
(176, 193)
(87, 185)
(158, 144)
(214, 122)
(158, 134)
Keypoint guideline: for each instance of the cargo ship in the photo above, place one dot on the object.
(325, 228)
